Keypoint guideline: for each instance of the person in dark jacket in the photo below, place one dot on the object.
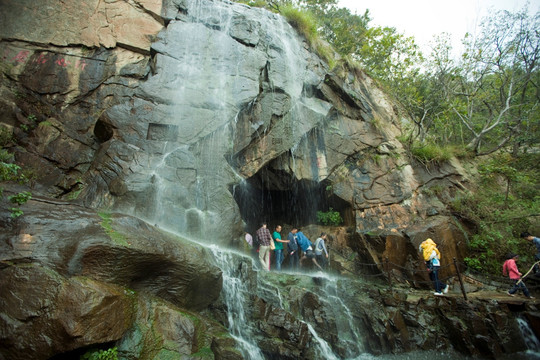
(293, 249)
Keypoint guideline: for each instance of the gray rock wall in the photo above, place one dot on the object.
(162, 112)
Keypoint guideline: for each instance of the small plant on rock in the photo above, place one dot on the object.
(109, 354)
(12, 172)
(330, 217)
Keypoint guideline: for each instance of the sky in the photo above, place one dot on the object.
(425, 18)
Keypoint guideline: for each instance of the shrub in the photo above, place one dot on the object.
(109, 354)
(329, 217)
(12, 172)
(430, 153)
(5, 136)
(6, 157)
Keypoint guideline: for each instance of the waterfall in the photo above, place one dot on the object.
(235, 292)
(241, 282)
(532, 342)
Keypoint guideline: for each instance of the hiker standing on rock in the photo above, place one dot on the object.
(279, 247)
(265, 239)
(510, 269)
(432, 258)
(293, 249)
(320, 247)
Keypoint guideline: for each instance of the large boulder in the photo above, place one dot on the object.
(73, 278)
(119, 249)
(44, 313)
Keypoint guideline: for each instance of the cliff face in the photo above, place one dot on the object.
(203, 117)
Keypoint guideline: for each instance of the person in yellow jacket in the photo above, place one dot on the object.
(432, 258)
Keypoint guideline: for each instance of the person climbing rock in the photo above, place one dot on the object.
(307, 247)
(510, 269)
(432, 259)
(320, 247)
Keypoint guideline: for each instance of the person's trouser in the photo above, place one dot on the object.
(434, 276)
(279, 258)
(264, 257)
(321, 259)
(293, 260)
(519, 286)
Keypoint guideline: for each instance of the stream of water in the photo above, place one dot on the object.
(238, 287)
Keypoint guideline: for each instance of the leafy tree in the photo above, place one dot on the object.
(493, 90)
(345, 31)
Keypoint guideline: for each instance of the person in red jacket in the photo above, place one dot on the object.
(510, 269)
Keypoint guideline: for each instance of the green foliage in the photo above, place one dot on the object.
(20, 198)
(6, 157)
(6, 137)
(109, 354)
(500, 213)
(12, 172)
(431, 153)
(302, 21)
(15, 212)
(329, 217)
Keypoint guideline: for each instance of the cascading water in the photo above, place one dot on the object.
(213, 60)
(241, 282)
(532, 342)
(235, 293)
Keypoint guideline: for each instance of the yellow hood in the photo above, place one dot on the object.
(427, 247)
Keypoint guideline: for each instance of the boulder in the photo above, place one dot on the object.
(113, 248)
(44, 313)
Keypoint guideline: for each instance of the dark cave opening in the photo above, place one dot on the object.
(103, 131)
(278, 198)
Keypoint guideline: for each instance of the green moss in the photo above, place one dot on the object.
(106, 224)
(204, 353)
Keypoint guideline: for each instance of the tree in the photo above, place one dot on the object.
(493, 90)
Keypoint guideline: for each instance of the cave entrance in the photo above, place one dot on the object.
(277, 197)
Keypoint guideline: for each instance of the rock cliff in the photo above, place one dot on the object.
(202, 118)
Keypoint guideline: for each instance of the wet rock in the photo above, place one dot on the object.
(44, 313)
(113, 248)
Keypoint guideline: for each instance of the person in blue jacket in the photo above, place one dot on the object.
(307, 247)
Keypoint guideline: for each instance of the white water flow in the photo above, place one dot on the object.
(349, 333)
(235, 292)
(529, 337)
